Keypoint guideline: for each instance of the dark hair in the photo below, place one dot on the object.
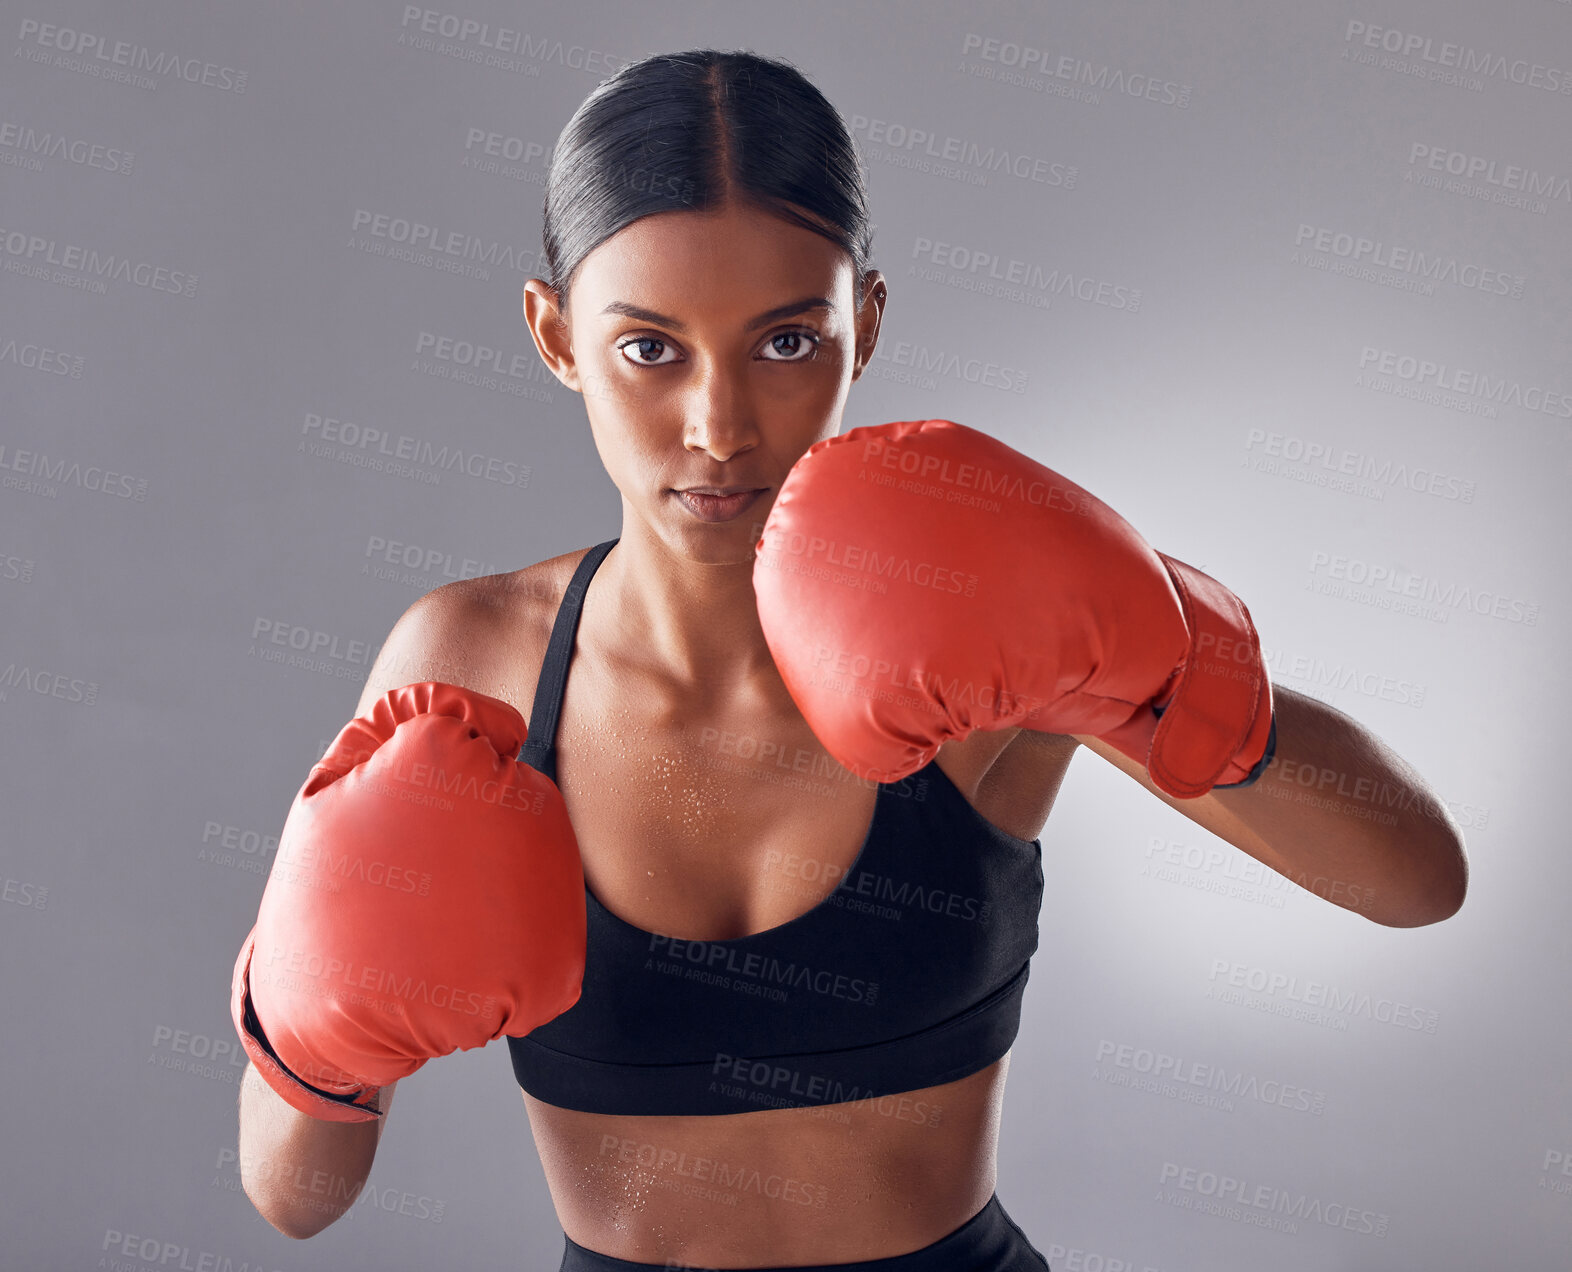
(691, 130)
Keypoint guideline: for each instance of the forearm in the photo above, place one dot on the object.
(1343, 815)
(300, 1172)
(1339, 813)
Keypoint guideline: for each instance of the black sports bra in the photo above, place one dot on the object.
(908, 975)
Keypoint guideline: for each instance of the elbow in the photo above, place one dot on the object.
(292, 1231)
(296, 1231)
(1416, 915)
(287, 1220)
(1440, 893)
(1453, 890)
(292, 1226)
(1453, 900)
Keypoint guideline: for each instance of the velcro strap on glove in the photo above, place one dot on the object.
(1217, 727)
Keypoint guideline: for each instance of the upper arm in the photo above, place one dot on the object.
(1019, 786)
(436, 638)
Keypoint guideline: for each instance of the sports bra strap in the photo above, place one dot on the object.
(540, 748)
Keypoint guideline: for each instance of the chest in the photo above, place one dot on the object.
(708, 821)
(712, 814)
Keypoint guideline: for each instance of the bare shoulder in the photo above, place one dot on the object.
(488, 634)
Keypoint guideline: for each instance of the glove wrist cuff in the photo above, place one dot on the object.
(327, 1106)
(1217, 726)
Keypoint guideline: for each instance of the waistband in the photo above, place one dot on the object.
(989, 1241)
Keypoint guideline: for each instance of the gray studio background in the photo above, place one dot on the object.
(1287, 286)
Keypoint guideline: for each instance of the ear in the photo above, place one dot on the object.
(543, 314)
(875, 291)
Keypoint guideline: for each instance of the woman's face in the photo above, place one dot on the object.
(711, 349)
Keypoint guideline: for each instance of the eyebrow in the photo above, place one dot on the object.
(631, 310)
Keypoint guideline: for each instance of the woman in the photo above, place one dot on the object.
(800, 988)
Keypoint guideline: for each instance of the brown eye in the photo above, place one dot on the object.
(796, 342)
(644, 345)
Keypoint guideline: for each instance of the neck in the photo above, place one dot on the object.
(692, 624)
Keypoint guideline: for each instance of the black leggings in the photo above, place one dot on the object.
(987, 1242)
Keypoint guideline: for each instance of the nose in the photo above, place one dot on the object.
(720, 419)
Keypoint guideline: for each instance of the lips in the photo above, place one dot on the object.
(717, 507)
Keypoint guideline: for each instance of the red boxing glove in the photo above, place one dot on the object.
(427, 896)
(920, 580)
